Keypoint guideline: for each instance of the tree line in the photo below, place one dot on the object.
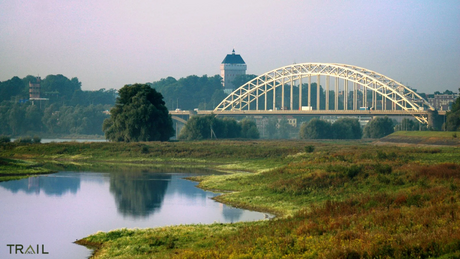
(67, 110)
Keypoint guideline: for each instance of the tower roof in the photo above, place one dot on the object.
(233, 59)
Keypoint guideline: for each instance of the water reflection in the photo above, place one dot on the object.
(52, 185)
(57, 209)
(136, 195)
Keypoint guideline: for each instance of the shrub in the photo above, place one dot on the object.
(36, 139)
(383, 169)
(24, 140)
(5, 139)
(353, 171)
(309, 149)
(145, 150)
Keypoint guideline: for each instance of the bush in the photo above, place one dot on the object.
(5, 139)
(36, 139)
(378, 128)
(24, 140)
(353, 171)
(383, 169)
(315, 129)
(309, 149)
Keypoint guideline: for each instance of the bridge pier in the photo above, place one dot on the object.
(435, 120)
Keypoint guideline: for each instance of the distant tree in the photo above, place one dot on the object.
(139, 114)
(210, 126)
(271, 127)
(232, 128)
(4, 118)
(191, 92)
(346, 128)
(408, 125)
(453, 116)
(315, 129)
(16, 119)
(11, 88)
(59, 87)
(283, 128)
(32, 120)
(378, 127)
(249, 129)
(242, 79)
(197, 128)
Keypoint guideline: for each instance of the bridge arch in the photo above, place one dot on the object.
(385, 92)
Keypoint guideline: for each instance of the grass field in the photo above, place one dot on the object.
(343, 199)
(339, 201)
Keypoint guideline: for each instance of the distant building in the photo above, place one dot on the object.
(232, 66)
(442, 102)
(34, 89)
(34, 92)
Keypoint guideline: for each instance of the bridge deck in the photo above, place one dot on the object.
(312, 112)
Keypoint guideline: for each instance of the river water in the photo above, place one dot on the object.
(44, 215)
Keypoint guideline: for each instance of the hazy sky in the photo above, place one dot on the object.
(110, 43)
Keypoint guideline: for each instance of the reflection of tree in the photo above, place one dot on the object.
(231, 214)
(51, 185)
(137, 196)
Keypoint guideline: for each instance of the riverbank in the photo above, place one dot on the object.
(333, 199)
(339, 201)
(245, 156)
(15, 169)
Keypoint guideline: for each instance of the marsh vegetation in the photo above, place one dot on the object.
(333, 199)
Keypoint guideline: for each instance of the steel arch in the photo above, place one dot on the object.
(388, 88)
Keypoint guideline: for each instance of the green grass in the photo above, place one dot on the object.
(437, 134)
(340, 201)
(14, 169)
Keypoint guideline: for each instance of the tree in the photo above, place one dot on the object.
(453, 116)
(408, 125)
(139, 114)
(249, 129)
(315, 129)
(378, 127)
(197, 128)
(16, 119)
(346, 128)
(11, 88)
(283, 128)
(209, 126)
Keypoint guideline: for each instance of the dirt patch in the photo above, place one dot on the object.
(418, 141)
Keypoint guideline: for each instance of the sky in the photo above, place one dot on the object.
(110, 43)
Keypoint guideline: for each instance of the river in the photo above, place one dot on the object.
(44, 215)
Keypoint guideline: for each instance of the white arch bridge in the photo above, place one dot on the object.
(289, 90)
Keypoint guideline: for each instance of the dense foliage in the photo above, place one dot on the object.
(315, 129)
(192, 92)
(453, 117)
(338, 201)
(343, 128)
(378, 127)
(67, 110)
(410, 125)
(139, 114)
(210, 126)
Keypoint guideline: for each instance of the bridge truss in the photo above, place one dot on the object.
(354, 88)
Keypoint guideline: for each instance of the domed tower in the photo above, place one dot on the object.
(232, 66)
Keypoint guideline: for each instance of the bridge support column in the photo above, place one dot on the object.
(327, 92)
(435, 121)
(336, 96)
(318, 90)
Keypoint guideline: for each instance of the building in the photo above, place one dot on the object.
(232, 66)
(34, 89)
(442, 102)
